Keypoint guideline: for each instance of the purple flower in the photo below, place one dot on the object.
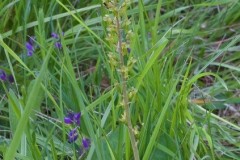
(30, 49)
(72, 136)
(11, 78)
(3, 75)
(86, 143)
(73, 118)
(55, 35)
(58, 45)
(29, 46)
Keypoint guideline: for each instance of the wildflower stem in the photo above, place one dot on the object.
(124, 92)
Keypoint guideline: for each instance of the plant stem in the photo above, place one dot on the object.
(124, 92)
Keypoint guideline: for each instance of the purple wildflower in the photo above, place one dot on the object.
(58, 45)
(86, 143)
(30, 49)
(73, 118)
(72, 136)
(29, 46)
(3, 75)
(55, 35)
(11, 78)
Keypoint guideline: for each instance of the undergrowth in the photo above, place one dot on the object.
(151, 80)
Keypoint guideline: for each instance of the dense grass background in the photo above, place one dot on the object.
(187, 73)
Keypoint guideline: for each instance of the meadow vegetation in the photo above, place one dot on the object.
(120, 79)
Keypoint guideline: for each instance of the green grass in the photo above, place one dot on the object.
(186, 74)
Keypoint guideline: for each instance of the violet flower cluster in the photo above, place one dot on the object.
(74, 119)
(5, 77)
(57, 44)
(30, 44)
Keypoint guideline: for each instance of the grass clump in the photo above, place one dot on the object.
(119, 80)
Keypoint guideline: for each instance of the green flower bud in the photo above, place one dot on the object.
(129, 35)
(132, 93)
(126, 23)
(107, 18)
(113, 59)
(124, 70)
(123, 117)
(131, 62)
